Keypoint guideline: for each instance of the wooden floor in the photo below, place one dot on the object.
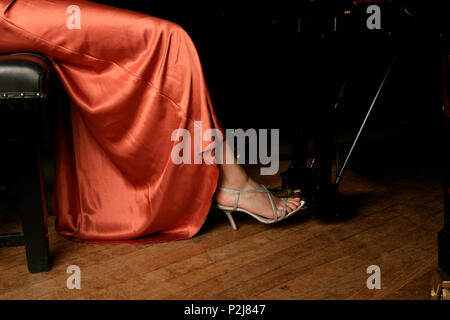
(398, 209)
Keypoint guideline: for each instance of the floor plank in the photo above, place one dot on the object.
(398, 209)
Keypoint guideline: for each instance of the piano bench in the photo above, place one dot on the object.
(24, 105)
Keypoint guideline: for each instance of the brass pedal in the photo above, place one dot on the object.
(285, 193)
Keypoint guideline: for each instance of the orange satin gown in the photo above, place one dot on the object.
(132, 79)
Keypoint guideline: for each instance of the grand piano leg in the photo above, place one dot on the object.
(444, 234)
(440, 282)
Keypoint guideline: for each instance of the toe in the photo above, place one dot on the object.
(294, 203)
(292, 206)
(280, 207)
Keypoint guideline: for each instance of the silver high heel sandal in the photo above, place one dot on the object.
(229, 210)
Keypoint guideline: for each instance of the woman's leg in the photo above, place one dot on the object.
(233, 176)
(132, 80)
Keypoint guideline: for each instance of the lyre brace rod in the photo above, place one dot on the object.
(356, 140)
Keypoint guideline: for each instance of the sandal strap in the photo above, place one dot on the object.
(236, 201)
(283, 213)
(274, 207)
(245, 191)
(269, 194)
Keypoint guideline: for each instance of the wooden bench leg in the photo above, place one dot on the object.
(32, 206)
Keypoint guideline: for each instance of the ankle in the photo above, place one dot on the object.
(235, 184)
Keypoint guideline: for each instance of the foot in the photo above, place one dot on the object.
(257, 203)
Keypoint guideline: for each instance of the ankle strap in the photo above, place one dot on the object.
(245, 191)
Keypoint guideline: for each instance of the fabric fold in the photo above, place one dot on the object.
(132, 80)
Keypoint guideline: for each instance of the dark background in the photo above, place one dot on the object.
(263, 73)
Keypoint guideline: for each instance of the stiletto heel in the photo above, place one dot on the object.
(284, 215)
(230, 217)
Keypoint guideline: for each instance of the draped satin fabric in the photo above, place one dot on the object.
(132, 79)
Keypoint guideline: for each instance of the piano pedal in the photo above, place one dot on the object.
(324, 201)
(285, 192)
